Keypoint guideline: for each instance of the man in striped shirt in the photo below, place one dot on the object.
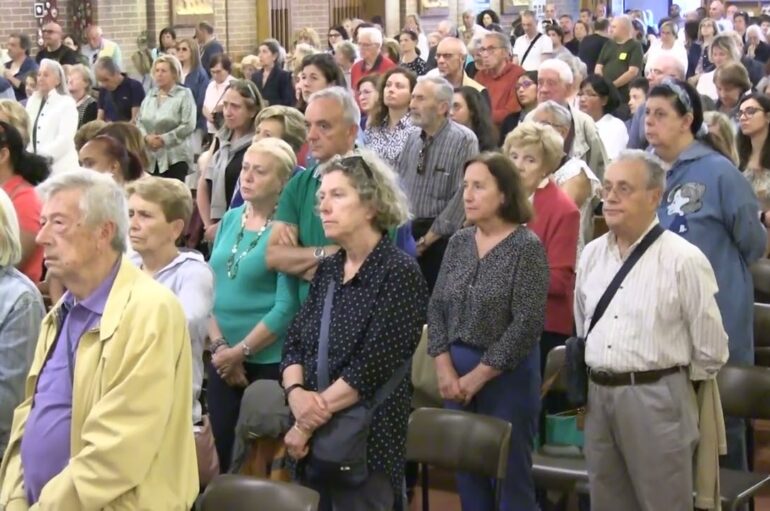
(661, 330)
(431, 169)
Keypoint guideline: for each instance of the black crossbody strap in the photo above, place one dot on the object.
(617, 280)
(532, 44)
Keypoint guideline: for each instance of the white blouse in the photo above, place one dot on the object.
(614, 135)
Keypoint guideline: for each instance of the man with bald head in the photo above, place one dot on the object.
(664, 66)
(445, 29)
(98, 47)
(451, 54)
(622, 56)
(53, 49)
(717, 13)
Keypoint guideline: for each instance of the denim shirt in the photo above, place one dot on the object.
(174, 119)
(21, 311)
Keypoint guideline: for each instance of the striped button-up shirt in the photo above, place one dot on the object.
(664, 314)
(431, 170)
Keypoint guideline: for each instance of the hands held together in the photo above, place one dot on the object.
(310, 412)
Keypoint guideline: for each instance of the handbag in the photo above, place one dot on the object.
(575, 353)
(208, 460)
(338, 448)
(424, 377)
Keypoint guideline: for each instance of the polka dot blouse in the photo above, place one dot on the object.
(376, 323)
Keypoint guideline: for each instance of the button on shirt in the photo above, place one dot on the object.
(45, 447)
(664, 314)
(435, 190)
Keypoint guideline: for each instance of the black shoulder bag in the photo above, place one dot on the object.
(338, 448)
(575, 363)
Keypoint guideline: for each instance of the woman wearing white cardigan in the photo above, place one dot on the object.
(53, 118)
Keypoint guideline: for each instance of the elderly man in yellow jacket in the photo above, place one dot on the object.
(105, 423)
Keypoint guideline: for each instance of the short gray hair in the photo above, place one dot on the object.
(54, 66)
(656, 169)
(561, 115)
(348, 49)
(102, 200)
(501, 39)
(342, 96)
(372, 33)
(577, 66)
(109, 65)
(10, 242)
(444, 90)
(560, 67)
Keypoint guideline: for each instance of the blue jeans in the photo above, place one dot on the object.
(514, 396)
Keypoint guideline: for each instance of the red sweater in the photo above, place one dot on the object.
(357, 72)
(27, 205)
(502, 90)
(557, 223)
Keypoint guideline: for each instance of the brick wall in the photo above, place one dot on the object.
(18, 17)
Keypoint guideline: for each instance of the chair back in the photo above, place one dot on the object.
(760, 273)
(241, 493)
(554, 376)
(745, 391)
(762, 334)
(457, 440)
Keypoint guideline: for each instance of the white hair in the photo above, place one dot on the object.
(351, 112)
(56, 68)
(444, 91)
(577, 66)
(10, 242)
(373, 33)
(562, 117)
(559, 67)
(102, 199)
(656, 169)
(755, 30)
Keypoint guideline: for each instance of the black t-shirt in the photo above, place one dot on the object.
(589, 51)
(573, 46)
(63, 56)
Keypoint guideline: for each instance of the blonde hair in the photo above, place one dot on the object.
(86, 74)
(281, 152)
(309, 35)
(88, 131)
(724, 136)
(540, 136)
(173, 64)
(379, 188)
(16, 116)
(10, 243)
(195, 53)
(172, 195)
(294, 129)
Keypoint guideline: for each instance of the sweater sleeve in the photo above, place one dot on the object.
(740, 213)
(561, 249)
(285, 307)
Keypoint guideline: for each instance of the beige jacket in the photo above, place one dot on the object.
(712, 444)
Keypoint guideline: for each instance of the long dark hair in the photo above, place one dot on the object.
(328, 67)
(492, 14)
(744, 142)
(380, 112)
(605, 89)
(342, 32)
(33, 168)
(667, 90)
(481, 118)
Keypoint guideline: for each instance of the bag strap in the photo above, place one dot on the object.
(322, 369)
(531, 45)
(617, 280)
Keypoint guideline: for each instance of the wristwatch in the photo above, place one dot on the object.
(288, 390)
(246, 349)
(319, 253)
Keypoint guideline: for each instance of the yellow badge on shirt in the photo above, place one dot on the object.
(623, 56)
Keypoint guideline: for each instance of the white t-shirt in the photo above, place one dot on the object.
(614, 135)
(541, 50)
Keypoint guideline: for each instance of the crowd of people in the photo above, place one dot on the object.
(169, 239)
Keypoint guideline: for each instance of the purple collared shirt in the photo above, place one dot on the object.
(45, 446)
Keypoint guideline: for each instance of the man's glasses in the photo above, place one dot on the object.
(489, 49)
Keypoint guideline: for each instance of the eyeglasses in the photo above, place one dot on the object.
(445, 56)
(350, 163)
(524, 84)
(334, 34)
(622, 190)
(489, 49)
(749, 111)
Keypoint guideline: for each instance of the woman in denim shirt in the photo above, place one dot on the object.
(21, 311)
(166, 120)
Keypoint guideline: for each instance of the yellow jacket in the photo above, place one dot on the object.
(132, 444)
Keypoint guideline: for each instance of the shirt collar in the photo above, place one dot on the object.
(96, 301)
(367, 271)
(427, 138)
(612, 241)
(319, 168)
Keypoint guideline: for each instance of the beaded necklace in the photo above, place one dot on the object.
(233, 263)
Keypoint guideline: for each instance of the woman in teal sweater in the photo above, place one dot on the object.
(253, 305)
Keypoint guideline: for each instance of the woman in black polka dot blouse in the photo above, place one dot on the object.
(485, 319)
(379, 308)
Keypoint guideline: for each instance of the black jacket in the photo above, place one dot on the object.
(590, 48)
(278, 89)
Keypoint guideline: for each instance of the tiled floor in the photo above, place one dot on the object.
(446, 500)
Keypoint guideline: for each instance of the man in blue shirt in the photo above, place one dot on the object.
(121, 96)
